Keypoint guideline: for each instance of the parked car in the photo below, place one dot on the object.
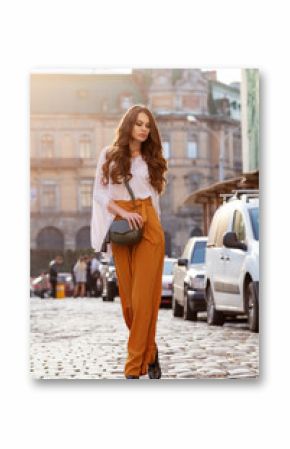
(167, 276)
(110, 280)
(40, 286)
(188, 280)
(97, 285)
(232, 260)
(67, 280)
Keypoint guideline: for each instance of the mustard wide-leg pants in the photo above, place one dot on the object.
(139, 270)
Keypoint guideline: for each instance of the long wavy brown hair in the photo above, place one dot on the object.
(151, 150)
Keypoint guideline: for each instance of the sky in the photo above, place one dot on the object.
(226, 75)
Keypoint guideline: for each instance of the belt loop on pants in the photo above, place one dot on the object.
(142, 203)
(130, 205)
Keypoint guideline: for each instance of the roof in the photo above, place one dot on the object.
(204, 195)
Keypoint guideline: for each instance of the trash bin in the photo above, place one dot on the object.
(60, 290)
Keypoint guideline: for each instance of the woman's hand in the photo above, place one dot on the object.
(134, 219)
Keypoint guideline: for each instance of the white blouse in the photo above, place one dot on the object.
(102, 218)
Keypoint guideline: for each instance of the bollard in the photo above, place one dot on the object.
(60, 291)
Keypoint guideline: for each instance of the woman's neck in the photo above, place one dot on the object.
(135, 148)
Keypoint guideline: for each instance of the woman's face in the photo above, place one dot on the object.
(141, 129)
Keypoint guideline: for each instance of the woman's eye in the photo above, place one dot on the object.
(140, 124)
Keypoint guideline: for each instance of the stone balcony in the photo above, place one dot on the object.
(62, 162)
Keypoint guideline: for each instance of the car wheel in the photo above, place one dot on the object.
(111, 292)
(214, 317)
(177, 309)
(253, 307)
(188, 314)
(98, 287)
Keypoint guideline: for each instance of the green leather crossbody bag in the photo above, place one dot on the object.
(120, 231)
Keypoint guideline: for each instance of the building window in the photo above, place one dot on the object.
(192, 149)
(85, 194)
(85, 147)
(49, 195)
(125, 101)
(166, 148)
(47, 146)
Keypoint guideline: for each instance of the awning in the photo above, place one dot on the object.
(248, 180)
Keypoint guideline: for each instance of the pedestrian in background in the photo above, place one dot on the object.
(95, 275)
(54, 267)
(73, 273)
(80, 272)
(89, 282)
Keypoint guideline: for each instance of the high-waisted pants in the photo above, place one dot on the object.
(139, 270)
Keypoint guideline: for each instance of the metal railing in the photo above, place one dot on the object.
(237, 193)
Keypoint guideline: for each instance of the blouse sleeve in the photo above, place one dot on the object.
(101, 192)
(101, 216)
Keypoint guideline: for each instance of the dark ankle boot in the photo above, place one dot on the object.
(154, 369)
(132, 377)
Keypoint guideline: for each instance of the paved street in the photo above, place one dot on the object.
(87, 338)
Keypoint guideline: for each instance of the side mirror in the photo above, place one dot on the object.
(182, 262)
(230, 240)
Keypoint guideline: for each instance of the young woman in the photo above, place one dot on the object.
(135, 155)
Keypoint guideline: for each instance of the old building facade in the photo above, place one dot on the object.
(74, 116)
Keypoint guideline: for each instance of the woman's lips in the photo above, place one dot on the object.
(142, 135)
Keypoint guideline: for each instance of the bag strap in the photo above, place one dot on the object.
(130, 191)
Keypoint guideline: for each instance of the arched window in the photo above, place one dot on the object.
(50, 238)
(83, 238)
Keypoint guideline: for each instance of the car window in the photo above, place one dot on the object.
(254, 216)
(239, 225)
(168, 266)
(198, 253)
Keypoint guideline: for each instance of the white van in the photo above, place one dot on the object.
(232, 260)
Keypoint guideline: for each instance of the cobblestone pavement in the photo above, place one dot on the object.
(87, 339)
